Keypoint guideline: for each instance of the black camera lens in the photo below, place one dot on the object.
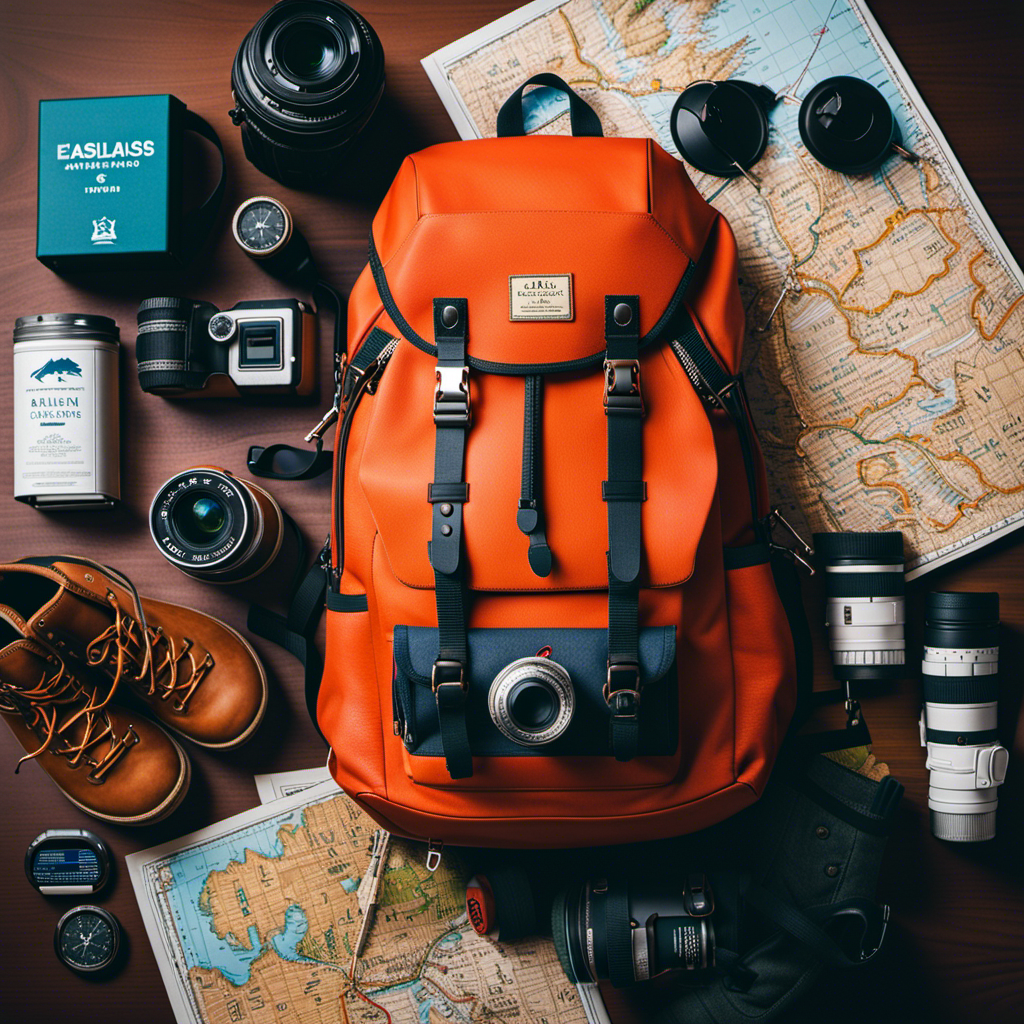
(167, 362)
(627, 932)
(309, 50)
(215, 527)
(306, 80)
(961, 619)
(201, 520)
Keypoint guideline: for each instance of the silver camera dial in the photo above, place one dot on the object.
(531, 701)
(221, 327)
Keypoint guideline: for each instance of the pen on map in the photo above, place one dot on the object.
(374, 872)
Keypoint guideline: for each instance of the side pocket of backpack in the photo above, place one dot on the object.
(348, 708)
(764, 661)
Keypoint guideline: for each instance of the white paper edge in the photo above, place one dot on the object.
(278, 785)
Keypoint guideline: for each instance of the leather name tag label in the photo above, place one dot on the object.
(540, 297)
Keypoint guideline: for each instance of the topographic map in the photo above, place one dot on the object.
(887, 385)
(255, 920)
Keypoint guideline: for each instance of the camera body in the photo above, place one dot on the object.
(188, 348)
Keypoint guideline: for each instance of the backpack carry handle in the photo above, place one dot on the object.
(582, 118)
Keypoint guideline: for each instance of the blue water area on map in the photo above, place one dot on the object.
(190, 870)
(936, 405)
(781, 39)
(542, 105)
(232, 959)
(295, 927)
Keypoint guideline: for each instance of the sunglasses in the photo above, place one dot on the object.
(722, 128)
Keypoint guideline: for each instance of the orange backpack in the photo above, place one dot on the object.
(550, 509)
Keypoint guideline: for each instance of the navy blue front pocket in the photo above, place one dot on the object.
(583, 653)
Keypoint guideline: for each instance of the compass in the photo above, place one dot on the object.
(262, 226)
(87, 939)
(264, 229)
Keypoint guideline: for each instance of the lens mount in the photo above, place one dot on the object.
(531, 701)
(214, 527)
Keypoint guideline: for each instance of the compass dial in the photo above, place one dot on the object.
(87, 939)
(262, 225)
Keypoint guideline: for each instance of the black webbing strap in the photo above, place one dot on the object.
(285, 461)
(530, 516)
(447, 494)
(295, 631)
(808, 932)
(196, 224)
(582, 118)
(624, 492)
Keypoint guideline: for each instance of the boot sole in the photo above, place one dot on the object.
(161, 811)
(255, 723)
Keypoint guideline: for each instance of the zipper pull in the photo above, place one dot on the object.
(801, 556)
(329, 417)
(324, 561)
(376, 368)
(434, 849)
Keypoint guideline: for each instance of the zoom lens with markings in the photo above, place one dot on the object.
(631, 931)
(864, 603)
(531, 701)
(959, 676)
(215, 527)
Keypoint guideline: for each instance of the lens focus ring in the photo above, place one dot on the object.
(531, 701)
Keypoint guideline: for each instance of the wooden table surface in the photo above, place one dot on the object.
(957, 945)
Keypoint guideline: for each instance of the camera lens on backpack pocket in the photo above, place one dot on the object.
(627, 932)
(531, 701)
(864, 604)
(215, 527)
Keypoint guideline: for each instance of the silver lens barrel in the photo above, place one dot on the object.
(531, 701)
(959, 673)
(864, 604)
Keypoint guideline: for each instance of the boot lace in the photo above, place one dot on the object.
(42, 707)
(155, 660)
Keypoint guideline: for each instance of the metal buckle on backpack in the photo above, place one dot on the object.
(448, 673)
(622, 690)
(622, 393)
(451, 397)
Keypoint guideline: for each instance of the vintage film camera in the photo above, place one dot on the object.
(188, 348)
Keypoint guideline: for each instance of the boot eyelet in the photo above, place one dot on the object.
(88, 576)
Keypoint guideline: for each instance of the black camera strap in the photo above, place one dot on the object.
(285, 461)
(197, 224)
(296, 630)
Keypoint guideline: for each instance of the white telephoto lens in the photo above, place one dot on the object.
(864, 606)
(959, 719)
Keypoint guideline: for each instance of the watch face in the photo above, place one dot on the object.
(262, 225)
(87, 939)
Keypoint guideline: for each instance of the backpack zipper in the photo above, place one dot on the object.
(365, 382)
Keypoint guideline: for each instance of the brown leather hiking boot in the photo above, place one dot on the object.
(193, 672)
(109, 762)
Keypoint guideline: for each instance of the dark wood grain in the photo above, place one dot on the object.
(957, 949)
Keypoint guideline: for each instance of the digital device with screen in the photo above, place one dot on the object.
(67, 862)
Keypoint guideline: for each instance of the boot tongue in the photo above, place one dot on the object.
(69, 622)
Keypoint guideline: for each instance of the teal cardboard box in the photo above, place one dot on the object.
(110, 182)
